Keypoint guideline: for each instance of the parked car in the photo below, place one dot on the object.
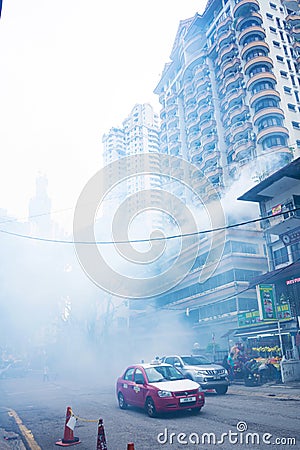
(158, 388)
(198, 368)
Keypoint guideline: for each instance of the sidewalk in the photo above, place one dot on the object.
(289, 391)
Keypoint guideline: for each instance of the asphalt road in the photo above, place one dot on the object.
(269, 412)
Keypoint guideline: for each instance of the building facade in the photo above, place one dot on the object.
(230, 102)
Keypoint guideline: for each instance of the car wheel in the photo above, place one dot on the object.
(150, 407)
(196, 410)
(221, 390)
(122, 403)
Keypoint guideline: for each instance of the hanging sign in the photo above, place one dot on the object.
(266, 301)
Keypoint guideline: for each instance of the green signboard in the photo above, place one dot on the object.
(266, 301)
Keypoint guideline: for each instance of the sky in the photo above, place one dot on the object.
(70, 70)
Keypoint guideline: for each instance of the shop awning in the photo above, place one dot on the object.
(290, 271)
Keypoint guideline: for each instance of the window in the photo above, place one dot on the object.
(273, 6)
(285, 50)
(280, 256)
(281, 35)
(274, 141)
(287, 89)
(266, 103)
(128, 374)
(139, 377)
(278, 22)
(297, 96)
(283, 74)
(262, 86)
(273, 30)
(269, 16)
(289, 64)
(296, 125)
(291, 107)
(279, 58)
(244, 247)
(276, 44)
(271, 121)
(293, 80)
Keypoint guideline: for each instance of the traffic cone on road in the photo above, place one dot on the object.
(68, 438)
(130, 446)
(101, 440)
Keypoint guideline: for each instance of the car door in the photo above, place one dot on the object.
(138, 390)
(127, 385)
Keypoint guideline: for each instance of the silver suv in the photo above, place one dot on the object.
(200, 369)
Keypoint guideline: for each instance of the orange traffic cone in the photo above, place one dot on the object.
(101, 441)
(130, 446)
(68, 438)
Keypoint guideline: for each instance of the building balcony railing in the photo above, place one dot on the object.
(266, 132)
(274, 111)
(257, 30)
(258, 45)
(223, 25)
(255, 16)
(265, 60)
(231, 66)
(227, 52)
(267, 93)
(245, 7)
(209, 141)
(261, 76)
(293, 19)
(224, 39)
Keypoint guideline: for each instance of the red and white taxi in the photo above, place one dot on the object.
(158, 388)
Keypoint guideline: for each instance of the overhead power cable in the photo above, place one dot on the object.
(163, 238)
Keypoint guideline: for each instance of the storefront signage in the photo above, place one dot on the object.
(276, 209)
(266, 301)
(249, 319)
(292, 237)
(293, 281)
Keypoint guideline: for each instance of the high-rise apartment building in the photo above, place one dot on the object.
(230, 101)
(137, 178)
(230, 93)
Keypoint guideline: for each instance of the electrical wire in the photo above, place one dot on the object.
(163, 238)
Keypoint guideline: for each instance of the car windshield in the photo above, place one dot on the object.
(163, 373)
(195, 360)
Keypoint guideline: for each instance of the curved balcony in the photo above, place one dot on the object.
(210, 157)
(268, 93)
(173, 120)
(190, 109)
(269, 131)
(258, 45)
(237, 111)
(258, 60)
(194, 138)
(257, 30)
(223, 25)
(193, 121)
(232, 81)
(296, 32)
(291, 4)
(171, 107)
(201, 83)
(231, 66)
(201, 70)
(173, 134)
(162, 114)
(203, 95)
(224, 39)
(261, 76)
(189, 95)
(171, 99)
(274, 111)
(205, 112)
(240, 130)
(212, 171)
(243, 145)
(255, 16)
(245, 7)
(161, 98)
(293, 19)
(207, 126)
(227, 52)
(209, 141)
(235, 96)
